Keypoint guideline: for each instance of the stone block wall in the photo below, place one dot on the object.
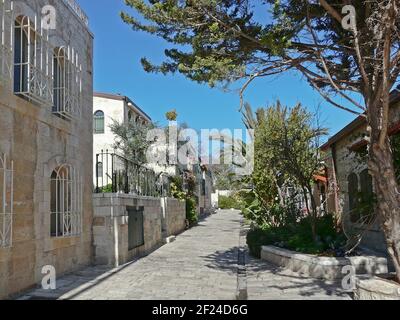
(110, 227)
(347, 162)
(175, 216)
(162, 217)
(38, 141)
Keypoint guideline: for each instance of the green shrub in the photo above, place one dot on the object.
(298, 237)
(258, 237)
(191, 202)
(106, 189)
(228, 203)
(176, 187)
(191, 210)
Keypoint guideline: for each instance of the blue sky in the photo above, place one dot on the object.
(117, 55)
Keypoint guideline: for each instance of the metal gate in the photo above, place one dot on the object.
(135, 227)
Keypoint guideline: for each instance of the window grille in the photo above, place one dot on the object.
(6, 18)
(98, 122)
(6, 201)
(353, 196)
(66, 202)
(366, 195)
(67, 83)
(32, 61)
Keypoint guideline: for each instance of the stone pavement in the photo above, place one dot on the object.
(269, 282)
(201, 264)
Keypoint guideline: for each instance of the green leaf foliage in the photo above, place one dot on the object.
(298, 237)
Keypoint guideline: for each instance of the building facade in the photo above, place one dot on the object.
(349, 186)
(46, 96)
(108, 108)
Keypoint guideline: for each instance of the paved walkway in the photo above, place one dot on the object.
(201, 264)
(268, 282)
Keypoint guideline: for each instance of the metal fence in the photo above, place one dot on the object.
(116, 174)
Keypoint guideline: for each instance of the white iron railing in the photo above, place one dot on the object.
(6, 201)
(6, 39)
(34, 69)
(66, 202)
(67, 74)
(33, 62)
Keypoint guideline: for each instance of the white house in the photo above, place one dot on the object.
(106, 109)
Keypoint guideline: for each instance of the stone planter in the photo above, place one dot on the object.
(323, 267)
(376, 288)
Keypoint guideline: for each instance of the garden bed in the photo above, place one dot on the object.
(323, 267)
(376, 288)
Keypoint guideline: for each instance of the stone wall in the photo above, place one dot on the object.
(346, 162)
(110, 226)
(329, 268)
(175, 216)
(37, 141)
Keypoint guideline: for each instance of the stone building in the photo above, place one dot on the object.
(348, 181)
(46, 141)
(134, 212)
(108, 108)
(132, 216)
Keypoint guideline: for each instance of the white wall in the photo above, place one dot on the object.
(113, 110)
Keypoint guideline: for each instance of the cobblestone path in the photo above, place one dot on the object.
(201, 264)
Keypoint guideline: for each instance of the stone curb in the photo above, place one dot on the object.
(329, 268)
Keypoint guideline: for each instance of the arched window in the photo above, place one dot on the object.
(353, 196)
(129, 115)
(59, 80)
(367, 189)
(67, 85)
(99, 170)
(22, 53)
(367, 192)
(65, 202)
(98, 122)
(32, 61)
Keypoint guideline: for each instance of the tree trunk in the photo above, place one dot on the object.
(314, 213)
(388, 196)
(311, 213)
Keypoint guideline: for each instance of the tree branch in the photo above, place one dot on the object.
(331, 10)
(331, 81)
